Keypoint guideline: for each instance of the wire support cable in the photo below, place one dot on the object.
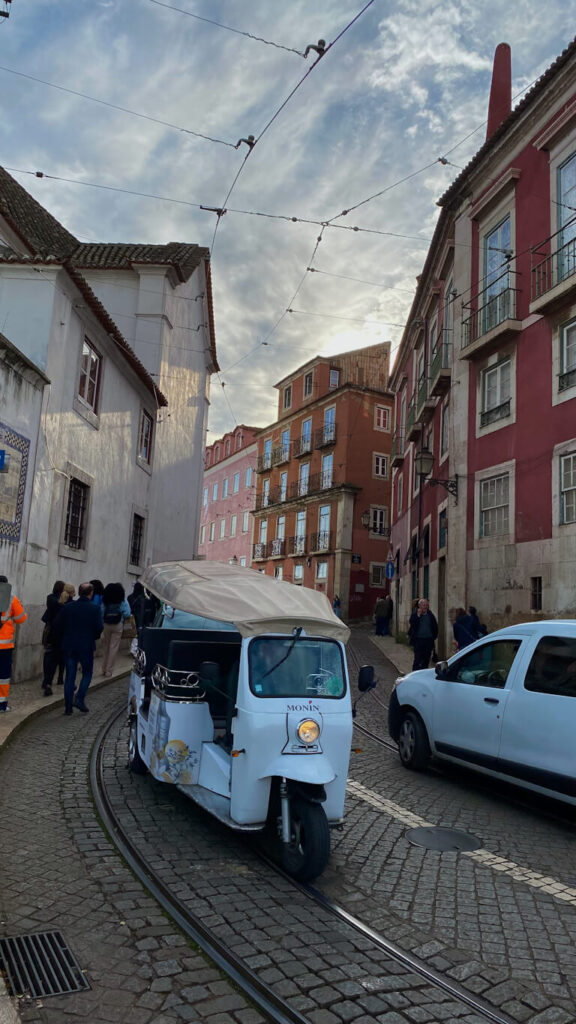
(228, 28)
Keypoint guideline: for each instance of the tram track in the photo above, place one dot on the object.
(261, 994)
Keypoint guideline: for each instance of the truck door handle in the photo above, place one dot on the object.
(491, 700)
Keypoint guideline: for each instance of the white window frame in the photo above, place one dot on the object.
(444, 430)
(248, 476)
(376, 465)
(205, 498)
(215, 491)
(490, 472)
(298, 577)
(265, 493)
(377, 574)
(225, 487)
(245, 521)
(308, 384)
(211, 532)
(303, 479)
(222, 533)
(236, 483)
(322, 571)
(382, 412)
(233, 525)
(287, 397)
(378, 521)
(399, 493)
(567, 459)
(202, 534)
(263, 532)
(283, 486)
(334, 379)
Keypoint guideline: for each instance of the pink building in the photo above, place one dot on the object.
(228, 497)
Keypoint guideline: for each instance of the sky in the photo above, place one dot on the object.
(403, 85)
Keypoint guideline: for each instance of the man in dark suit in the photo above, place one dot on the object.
(78, 625)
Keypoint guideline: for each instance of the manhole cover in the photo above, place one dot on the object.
(40, 965)
(435, 838)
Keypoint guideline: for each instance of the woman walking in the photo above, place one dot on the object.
(115, 610)
(53, 655)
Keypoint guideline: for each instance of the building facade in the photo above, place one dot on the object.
(96, 430)
(323, 494)
(486, 374)
(228, 497)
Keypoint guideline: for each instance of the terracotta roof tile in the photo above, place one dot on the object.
(39, 230)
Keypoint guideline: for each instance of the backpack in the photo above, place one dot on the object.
(112, 614)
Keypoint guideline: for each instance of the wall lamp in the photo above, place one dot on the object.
(366, 520)
(424, 464)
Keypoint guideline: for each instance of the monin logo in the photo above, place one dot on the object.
(302, 707)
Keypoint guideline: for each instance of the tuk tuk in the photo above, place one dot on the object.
(240, 697)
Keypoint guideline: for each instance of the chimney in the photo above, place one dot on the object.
(500, 103)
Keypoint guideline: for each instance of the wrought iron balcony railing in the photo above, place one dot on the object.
(260, 550)
(264, 462)
(297, 545)
(277, 547)
(557, 266)
(495, 311)
(498, 412)
(302, 446)
(325, 436)
(321, 541)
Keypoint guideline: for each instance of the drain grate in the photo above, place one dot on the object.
(40, 965)
(442, 839)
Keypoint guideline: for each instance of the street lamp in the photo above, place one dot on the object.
(423, 465)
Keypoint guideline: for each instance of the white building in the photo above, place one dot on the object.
(105, 364)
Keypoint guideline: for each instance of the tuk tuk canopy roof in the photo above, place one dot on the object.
(253, 602)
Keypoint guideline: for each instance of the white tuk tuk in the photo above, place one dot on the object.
(240, 697)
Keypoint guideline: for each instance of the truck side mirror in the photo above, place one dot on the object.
(366, 679)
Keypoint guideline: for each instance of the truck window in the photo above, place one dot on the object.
(552, 668)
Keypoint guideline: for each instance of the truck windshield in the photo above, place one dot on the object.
(312, 667)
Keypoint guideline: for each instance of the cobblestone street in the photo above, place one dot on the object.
(499, 934)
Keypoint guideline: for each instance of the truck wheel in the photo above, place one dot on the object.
(135, 762)
(308, 853)
(413, 745)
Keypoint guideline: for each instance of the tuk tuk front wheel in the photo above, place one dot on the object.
(135, 762)
(308, 852)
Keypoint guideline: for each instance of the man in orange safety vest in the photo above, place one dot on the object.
(11, 615)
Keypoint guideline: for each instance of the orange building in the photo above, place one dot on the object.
(322, 515)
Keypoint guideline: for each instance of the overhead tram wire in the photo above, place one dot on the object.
(115, 106)
(220, 211)
(227, 28)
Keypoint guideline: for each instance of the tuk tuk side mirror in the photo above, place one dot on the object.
(441, 669)
(366, 679)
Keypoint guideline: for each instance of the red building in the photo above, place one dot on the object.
(229, 490)
(323, 496)
(486, 374)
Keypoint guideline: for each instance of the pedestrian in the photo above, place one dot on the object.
(53, 655)
(141, 606)
(337, 606)
(98, 591)
(78, 626)
(380, 610)
(116, 610)
(463, 628)
(422, 634)
(12, 614)
(479, 627)
(388, 615)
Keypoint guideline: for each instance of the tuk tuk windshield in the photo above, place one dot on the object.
(303, 667)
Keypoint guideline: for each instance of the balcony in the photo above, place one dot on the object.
(495, 321)
(498, 412)
(297, 545)
(553, 277)
(398, 446)
(321, 541)
(325, 436)
(277, 548)
(302, 446)
(281, 454)
(441, 369)
(264, 462)
(425, 405)
(272, 497)
(260, 551)
(412, 427)
(315, 484)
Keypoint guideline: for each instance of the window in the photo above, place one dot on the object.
(145, 438)
(300, 539)
(236, 483)
(379, 465)
(442, 528)
(288, 397)
(308, 384)
(488, 665)
(303, 478)
(323, 539)
(267, 456)
(377, 574)
(535, 593)
(248, 478)
(329, 431)
(495, 393)
(334, 379)
(285, 453)
(263, 534)
(552, 668)
(298, 574)
(494, 506)
(281, 528)
(243, 561)
(202, 534)
(379, 520)
(399, 494)
(212, 531)
(214, 492)
(568, 488)
(321, 570)
(266, 493)
(207, 461)
(233, 525)
(222, 528)
(306, 437)
(245, 522)
(327, 465)
(278, 572)
(217, 453)
(567, 376)
(566, 186)
(497, 293)
(90, 368)
(239, 440)
(76, 515)
(381, 418)
(205, 498)
(227, 448)
(283, 486)
(137, 539)
(445, 429)
(225, 487)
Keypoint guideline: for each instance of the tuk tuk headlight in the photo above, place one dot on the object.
(308, 731)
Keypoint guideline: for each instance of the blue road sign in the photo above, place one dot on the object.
(389, 570)
(2, 458)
